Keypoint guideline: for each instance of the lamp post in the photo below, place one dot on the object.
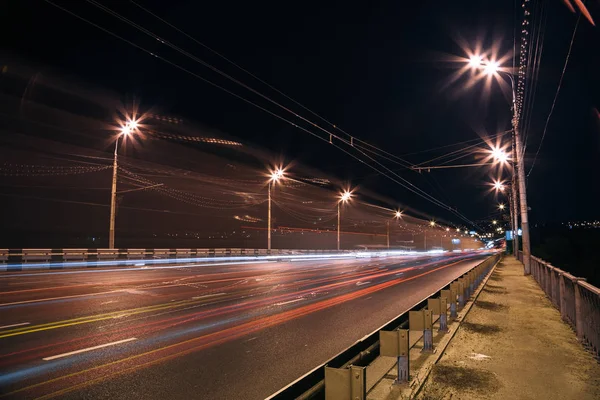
(397, 215)
(275, 177)
(492, 68)
(126, 130)
(344, 198)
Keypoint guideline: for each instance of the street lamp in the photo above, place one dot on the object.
(499, 186)
(494, 222)
(129, 128)
(475, 61)
(275, 177)
(501, 206)
(397, 215)
(344, 198)
(492, 68)
(499, 156)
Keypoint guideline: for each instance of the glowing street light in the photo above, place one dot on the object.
(491, 68)
(475, 61)
(494, 222)
(127, 129)
(275, 176)
(345, 196)
(432, 223)
(398, 214)
(499, 186)
(499, 156)
(501, 206)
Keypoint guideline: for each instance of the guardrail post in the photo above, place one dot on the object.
(443, 315)
(461, 294)
(395, 344)
(578, 311)
(422, 321)
(438, 306)
(450, 296)
(345, 383)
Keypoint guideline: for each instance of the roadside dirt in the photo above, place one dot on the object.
(514, 345)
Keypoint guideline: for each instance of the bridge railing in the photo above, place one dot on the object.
(577, 300)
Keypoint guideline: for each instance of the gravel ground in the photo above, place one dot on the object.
(514, 345)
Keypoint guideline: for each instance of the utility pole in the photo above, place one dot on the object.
(269, 222)
(388, 234)
(113, 201)
(338, 226)
(514, 208)
(523, 199)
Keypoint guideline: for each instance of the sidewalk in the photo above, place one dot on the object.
(513, 345)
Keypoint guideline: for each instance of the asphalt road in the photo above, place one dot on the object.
(201, 331)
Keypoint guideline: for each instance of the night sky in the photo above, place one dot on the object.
(379, 70)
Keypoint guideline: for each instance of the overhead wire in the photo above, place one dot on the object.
(539, 29)
(408, 185)
(399, 159)
(562, 75)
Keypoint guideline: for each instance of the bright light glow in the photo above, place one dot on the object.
(494, 222)
(398, 214)
(447, 229)
(345, 196)
(499, 155)
(475, 61)
(277, 175)
(457, 229)
(432, 223)
(129, 127)
(501, 206)
(498, 185)
(491, 68)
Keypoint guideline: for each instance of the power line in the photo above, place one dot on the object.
(555, 95)
(409, 186)
(266, 83)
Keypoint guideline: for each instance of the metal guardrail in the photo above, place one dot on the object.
(577, 300)
(25, 256)
(363, 352)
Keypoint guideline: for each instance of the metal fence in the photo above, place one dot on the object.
(577, 300)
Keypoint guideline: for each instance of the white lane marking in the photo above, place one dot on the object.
(251, 339)
(208, 295)
(108, 302)
(288, 302)
(58, 298)
(400, 273)
(88, 349)
(13, 325)
(362, 283)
